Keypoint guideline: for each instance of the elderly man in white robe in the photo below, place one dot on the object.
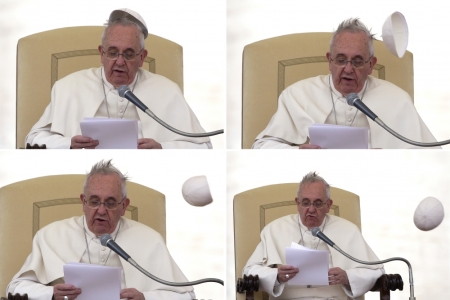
(93, 93)
(347, 279)
(78, 240)
(322, 99)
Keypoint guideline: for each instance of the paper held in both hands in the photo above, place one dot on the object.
(312, 264)
(95, 281)
(329, 136)
(111, 133)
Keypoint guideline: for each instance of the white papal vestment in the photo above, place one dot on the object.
(309, 101)
(279, 234)
(82, 94)
(64, 241)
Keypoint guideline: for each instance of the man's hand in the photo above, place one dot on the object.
(148, 144)
(286, 273)
(337, 276)
(80, 142)
(61, 290)
(309, 146)
(131, 294)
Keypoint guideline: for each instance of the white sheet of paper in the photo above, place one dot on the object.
(312, 264)
(330, 136)
(111, 133)
(95, 281)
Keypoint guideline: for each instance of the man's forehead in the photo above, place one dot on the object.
(351, 44)
(103, 179)
(313, 189)
(118, 34)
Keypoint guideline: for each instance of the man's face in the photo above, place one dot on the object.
(122, 39)
(103, 188)
(350, 46)
(311, 192)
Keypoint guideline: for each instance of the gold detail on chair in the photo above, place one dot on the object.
(87, 52)
(282, 64)
(66, 201)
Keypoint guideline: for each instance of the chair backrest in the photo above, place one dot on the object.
(254, 209)
(29, 205)
(271, 65)
(45, 57)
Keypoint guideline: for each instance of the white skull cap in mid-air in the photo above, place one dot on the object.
(429, 214)
(196, 191)
(395, 34)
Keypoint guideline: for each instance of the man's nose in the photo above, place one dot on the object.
(311, 208)
(101, 209)
(348, 67)
(120, 60)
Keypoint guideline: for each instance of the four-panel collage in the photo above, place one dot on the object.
(224, 149)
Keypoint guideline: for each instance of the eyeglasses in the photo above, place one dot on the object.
(356, 63)
(316, 204)
(113, 54)
(109, 205)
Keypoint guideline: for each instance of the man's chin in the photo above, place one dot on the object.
(119, 81)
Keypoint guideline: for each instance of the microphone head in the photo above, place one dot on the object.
(122, 90)
(315, 231)
(351, 98)
(104, 239)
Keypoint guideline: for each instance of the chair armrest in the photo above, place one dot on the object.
(249, 284)
(35, 146)
(387, 283)
(384, 284)
(16, 297)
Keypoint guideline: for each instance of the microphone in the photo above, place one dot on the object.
(107, 241)
(353, 100)
(125, 92)
(316, 232)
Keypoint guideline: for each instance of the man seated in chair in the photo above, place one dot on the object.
(322, 99)
(77, 239)
(347, 279)
(93, 93)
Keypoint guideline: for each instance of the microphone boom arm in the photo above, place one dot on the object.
(411, 281)
(154, 117)
(134, 264)
(420, 144)
(353, 100)
(125, 92)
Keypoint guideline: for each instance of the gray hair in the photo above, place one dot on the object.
(107, 168)
(312, 177)
(353, 25)
(124, 21)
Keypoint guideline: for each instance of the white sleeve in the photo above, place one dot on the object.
(185, 145)
(267, 278)
(27, 283)
(269, 142)
(52, 140)
(169, 295)
(361, 281)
